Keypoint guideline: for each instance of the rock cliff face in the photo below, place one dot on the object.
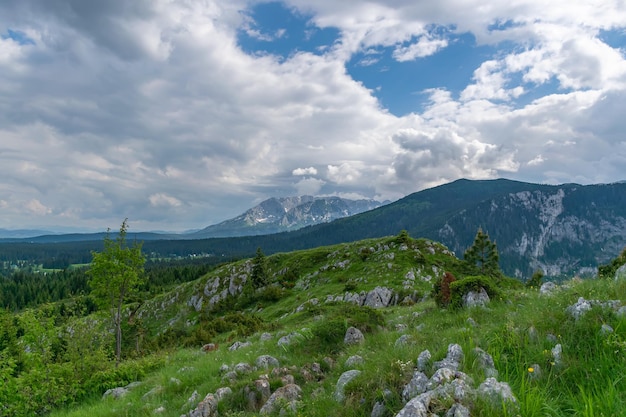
(289, 213)
(566, 229)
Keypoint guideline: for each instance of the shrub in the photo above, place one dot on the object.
(461, 287)
(608, 270)
(441, 289)
(535, 280)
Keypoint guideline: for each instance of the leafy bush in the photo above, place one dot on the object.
(535, 280)
(461, 287)
(608, 270)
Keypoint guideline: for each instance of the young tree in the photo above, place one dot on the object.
(483, 255)
(259, 270)
(116, 272)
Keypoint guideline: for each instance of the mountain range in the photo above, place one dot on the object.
(276, 215)
(562, 230)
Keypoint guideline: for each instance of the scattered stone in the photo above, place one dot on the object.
(222, 393)
(343, 381)
(472, 322)
(378, 297)
(557, 354)
(175, 381)
(458, 410)
(287, 379)
(242, 368)
(265, 336)
(486, 362)
(284, 397)
(230, 376)
(206, 408)
(453, 358)
(547, 288)
(606, 329)
(193, 398)
(223, 369)
(581, 307)
(353, 361)
(621, 312)
(620, 273)
(159, 410)
(330, 362)
(476, 298)
(353, 336)
(239, 345)
(403, 340)
(532, 333)
(496, 391)
(266, 362)
(210, 347)
(401, 327)
(115, 393)
(290, 338)
(414, 408)
(440, 377)
(258, 394)
(417, 385)
(379, 410)
(423, 360)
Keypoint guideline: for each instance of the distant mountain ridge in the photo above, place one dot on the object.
(564, 230)
(282, 214)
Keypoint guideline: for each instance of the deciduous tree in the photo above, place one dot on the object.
(116, 272)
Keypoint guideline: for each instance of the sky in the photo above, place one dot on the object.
(179, 114)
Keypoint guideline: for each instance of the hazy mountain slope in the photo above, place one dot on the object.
(283, 214)
(535, 226)
(566, 229)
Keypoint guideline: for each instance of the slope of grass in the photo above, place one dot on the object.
(520, 331)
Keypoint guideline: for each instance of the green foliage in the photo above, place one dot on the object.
(482, 257)
(608, 270)
(403, 237)
(259, 275)
(535, 280)
(116, 273)
(462, 286)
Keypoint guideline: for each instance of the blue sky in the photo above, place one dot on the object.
(180, 114)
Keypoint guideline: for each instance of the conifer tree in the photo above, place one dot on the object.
(483, 255)
(259, 270)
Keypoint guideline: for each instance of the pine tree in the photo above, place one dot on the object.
(483, 256)
(259, 274)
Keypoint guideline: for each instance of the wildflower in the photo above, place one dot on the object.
(531, 369)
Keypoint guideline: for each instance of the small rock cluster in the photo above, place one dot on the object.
(448, 385)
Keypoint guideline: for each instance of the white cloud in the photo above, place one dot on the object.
(164, 200)
(422, 48)
(309, 186)
(156, 109)
(36, 207)
(304, 171)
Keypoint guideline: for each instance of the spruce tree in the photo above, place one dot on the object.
(259, 275)
(483, 256)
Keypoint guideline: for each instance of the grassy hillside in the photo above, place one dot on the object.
(555, 364)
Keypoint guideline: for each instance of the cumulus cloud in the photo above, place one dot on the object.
(309, 186)
(161, 199)
(111, 111)
(304, 171)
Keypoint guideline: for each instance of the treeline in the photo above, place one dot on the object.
(22, 289)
